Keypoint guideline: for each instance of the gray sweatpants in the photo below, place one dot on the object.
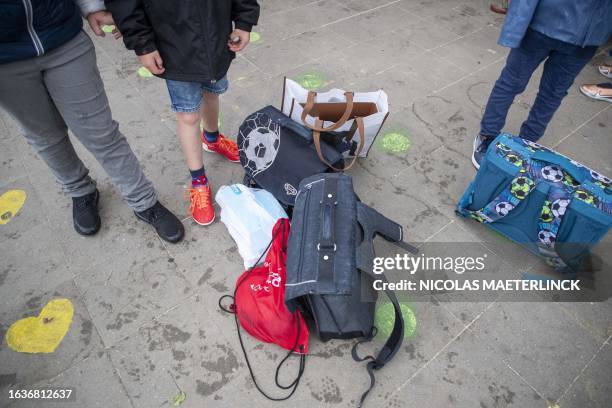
(62, 89)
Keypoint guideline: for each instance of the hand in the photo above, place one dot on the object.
(100, 18)
(153, 62)
(244, 38)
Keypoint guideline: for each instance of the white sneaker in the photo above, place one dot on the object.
(605, 70)
(479, 149)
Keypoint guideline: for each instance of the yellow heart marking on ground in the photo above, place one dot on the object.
(43, 333)
(10, 204)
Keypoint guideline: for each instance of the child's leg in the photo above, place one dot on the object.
(189, 137)
(212, 140)
(210, 116)
(520, 65)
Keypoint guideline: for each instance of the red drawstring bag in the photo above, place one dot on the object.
(259, 300)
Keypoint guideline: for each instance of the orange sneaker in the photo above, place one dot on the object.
(224, 146)
(200, 205)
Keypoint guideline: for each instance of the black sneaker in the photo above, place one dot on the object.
(481, 144)
(165, 223)
(85, 216)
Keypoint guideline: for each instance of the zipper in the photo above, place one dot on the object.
(40, 50)
(304, 229)
(206, 45)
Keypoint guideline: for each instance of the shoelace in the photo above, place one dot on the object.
(226, 145)
(86, 201)
(198, 197)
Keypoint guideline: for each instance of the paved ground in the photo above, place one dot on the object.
(146, 321)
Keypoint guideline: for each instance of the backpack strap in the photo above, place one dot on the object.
(391, 346)
(373, 223)
(326, 247)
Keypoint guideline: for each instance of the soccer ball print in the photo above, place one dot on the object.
(547, 238)
(503, 208)
(559, 207)
(259, 143)
(552, 173)
(521, 186)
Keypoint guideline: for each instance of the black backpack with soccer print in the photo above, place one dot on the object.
(277, 153)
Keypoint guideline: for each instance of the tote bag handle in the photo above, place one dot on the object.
(316, 136)
(318, 127)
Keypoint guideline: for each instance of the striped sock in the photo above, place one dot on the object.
(198, 177)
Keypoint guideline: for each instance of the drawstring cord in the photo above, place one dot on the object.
(233, 310)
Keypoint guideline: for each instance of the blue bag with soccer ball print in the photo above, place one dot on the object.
(552, 205)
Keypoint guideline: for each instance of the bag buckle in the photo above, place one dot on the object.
(326, 247)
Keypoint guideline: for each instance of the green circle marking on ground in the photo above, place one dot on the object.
(108, 28)
(395, 142)
(255, 37)
(385, 317)
(311, 80)
(143, 72)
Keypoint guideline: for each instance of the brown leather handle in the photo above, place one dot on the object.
(316, 136)
(310, 102)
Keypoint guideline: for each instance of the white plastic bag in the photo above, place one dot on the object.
(249, 215)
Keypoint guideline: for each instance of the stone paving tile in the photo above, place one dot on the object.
(279, 57)
(81, 342)
(460, 377)
(473, 51)
(591, 151)
(540, 342)
(589, 390)
(424, 34)
(371, 24)
(403, 141)
(456, 21)
(106, 391)
(405, 205)
(310, 15)
(454, 123)
(479, 10)
(121, 300)
(428, 8)
(430, 68)
(153, 306)
(598, 130)
(30, 215)
(23, 274)
(11, 166)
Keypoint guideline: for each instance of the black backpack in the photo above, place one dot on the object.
(278, 153)
(330, 261)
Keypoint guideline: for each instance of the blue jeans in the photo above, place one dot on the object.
(564, 62)
(186, 97)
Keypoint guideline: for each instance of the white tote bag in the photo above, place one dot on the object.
(334, 108)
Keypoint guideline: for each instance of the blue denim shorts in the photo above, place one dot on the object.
(187, 96)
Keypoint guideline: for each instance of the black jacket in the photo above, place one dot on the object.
(30, 28)
(190, 35)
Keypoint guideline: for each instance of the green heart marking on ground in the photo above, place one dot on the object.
(143, 72)
(395, 142)
(385, 317)
(255, 37)
(311, 80)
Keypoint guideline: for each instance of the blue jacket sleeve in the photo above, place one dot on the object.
(518, 19)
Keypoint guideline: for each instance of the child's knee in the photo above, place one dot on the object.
(188, 118)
